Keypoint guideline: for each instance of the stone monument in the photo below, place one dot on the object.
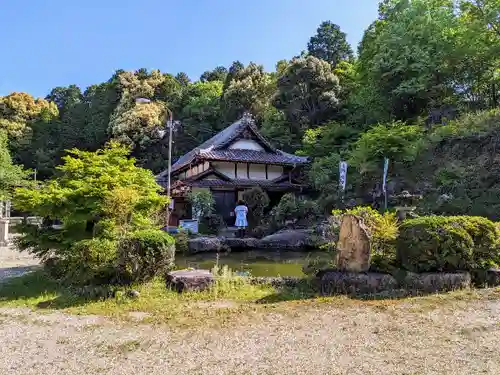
(4, 222)
(353, 247)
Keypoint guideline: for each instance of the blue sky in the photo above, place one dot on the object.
(49, 43)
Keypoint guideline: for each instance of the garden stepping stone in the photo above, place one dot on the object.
(189, 280)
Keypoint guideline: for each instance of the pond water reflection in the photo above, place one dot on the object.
(257, 262)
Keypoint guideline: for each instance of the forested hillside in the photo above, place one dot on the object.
(423, 89)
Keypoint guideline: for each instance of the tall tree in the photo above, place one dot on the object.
(218, 74)
(330, 44)
(250, 89)
(18, 110)
(407, 58)
(11, 175)
(308, 93)
(200, 115)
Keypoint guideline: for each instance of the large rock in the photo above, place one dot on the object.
(436, 282)
(206, 244)
(241, 243)
(189, 280)
(353, 248)
(335, 282)
(290, 239)
(486, 278)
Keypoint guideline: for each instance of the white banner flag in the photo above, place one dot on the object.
(386, 167)
(342, 175)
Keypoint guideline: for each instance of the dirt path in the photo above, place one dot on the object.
(404, 338)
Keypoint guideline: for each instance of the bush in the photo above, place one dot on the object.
(212, 224)
(181, 241)
(202, 202)
(145, 254)
(437, 243)
(89, 261)
(257, 201)
(295, 209)
(383, 230)
(99, 197)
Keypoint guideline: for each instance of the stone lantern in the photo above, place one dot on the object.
(405, 204)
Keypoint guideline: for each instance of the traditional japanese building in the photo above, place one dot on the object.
(234, 160)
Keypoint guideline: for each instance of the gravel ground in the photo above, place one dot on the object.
(404, 338)
(358, 338)
(15, 263)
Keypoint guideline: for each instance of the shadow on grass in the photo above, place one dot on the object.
(38, 289)
(309, 290)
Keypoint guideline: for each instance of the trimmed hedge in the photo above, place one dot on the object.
(447, 243)
(145, 254)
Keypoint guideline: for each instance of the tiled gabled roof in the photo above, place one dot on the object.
(215, 147)
(252, 156)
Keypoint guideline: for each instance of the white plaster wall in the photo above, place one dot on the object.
(246, 144)
(257, 172)
(211, 177)
(242, 170)
(274, 171)
(225, 168)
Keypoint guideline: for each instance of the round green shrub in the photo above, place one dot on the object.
(211, 224)
(257, 201)
(145, 254)
(181, 241)
(438, 243)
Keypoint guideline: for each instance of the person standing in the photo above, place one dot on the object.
(241, 211)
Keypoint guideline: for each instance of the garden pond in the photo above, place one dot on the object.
(260, 263)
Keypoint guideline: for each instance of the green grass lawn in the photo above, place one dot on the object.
(229, 295)
(231, 299)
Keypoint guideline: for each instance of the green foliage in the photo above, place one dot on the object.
(307, 93)
(18, 110)
(211, 224)
(437, 243)
(100, 197)
(218, 74)
(326, 139)
(145, 254)
(458, 173)
(276, 128)
(330, 44)
(257, 201)
(200, 114)
(383, 229)
(181, 241)
(202, 202)
(476, 124)
(248, 90)
(11, 175)
(294, 209)
(415, 62)
(397, 141)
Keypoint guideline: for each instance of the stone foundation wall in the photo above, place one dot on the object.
(333, 282)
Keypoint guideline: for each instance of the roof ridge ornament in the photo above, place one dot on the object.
(248, 118)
